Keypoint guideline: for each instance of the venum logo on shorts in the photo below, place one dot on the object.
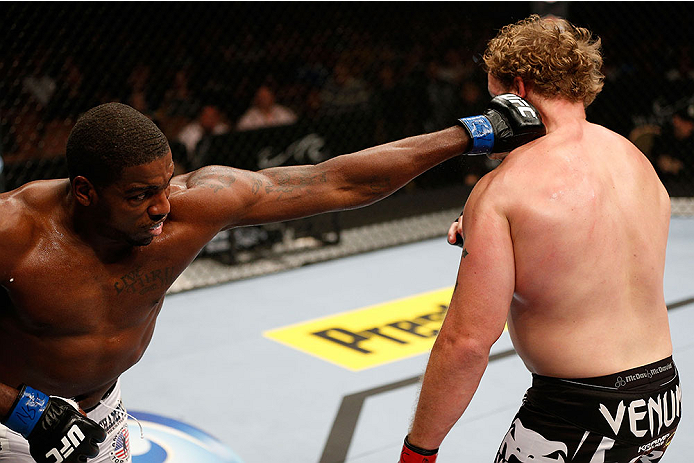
(646, 416)
(523, 444)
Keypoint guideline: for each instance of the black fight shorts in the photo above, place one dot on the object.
(627, 417)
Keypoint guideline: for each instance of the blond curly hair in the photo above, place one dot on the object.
(559, 58)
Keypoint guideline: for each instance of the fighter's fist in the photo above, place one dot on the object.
(455, 232)
(508, 122)
(57, 432)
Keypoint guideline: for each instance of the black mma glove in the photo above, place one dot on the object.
(413, 454)
(57, 432)
(508, 122)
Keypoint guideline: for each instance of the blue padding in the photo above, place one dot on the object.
(27, 412)
(481, 132)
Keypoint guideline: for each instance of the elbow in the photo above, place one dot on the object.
(466, 350)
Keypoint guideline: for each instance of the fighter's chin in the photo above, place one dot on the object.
(139, 242)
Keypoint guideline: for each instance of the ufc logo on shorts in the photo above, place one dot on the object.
(523, 107)
(70, 442)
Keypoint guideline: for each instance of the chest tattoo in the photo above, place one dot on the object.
(140, 281)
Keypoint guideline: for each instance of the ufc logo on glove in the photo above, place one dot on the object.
(523, 107)
(508, 122)
(70, 442)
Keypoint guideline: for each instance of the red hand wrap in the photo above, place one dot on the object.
(413, 454)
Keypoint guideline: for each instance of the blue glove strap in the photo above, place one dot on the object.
(27, 412)
(481, 132)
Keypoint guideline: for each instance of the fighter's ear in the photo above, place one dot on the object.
(84, 191)
(519, 87)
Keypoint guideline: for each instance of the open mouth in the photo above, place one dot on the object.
(157, 228)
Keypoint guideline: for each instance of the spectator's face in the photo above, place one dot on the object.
(264, 99)
(684, 128)
(209, 118)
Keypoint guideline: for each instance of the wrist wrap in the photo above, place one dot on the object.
(480, 130)
(27, 411)
(413, 454)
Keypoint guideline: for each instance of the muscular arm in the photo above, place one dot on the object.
(13, 232)
(7, 397)
(232, 197)
(475, 320)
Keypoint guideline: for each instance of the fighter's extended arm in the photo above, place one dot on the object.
(475, 320)
(343, 182)
(237, 197)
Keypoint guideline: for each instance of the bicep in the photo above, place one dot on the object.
(235, 197)
(486, 276)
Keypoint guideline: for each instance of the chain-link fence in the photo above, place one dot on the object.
(334, 77)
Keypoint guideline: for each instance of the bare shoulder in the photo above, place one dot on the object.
(508, 180)
(213, 195)
(26, 204)
(491, 192)
(214, 178)
(22, 210)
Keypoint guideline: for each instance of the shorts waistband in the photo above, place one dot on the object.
(104, 397)
(656, 372)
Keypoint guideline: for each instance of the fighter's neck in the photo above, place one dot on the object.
(88, 232)
(558, 112)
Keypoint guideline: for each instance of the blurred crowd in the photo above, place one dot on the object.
(209, 70)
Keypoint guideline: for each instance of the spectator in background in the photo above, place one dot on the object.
(39, 85)
(682, 71)
(138, 86)
(179, 100)
(69, 100)
(210, 121)
(343, 92)
(388, 104)
(442, 96)
(265, 112)
(673, 153)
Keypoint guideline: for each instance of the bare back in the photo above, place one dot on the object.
(589, 222)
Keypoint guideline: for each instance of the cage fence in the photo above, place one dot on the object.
(339, 77)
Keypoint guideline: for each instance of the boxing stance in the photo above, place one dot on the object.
(565, 242)
(86, 261)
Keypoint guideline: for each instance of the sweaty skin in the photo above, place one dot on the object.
(84, 272)
(565, 240)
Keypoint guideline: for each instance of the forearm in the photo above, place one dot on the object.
(7, 398)
(451, 379)
(376, 172)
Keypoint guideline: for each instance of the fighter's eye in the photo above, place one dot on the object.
(141, 197)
